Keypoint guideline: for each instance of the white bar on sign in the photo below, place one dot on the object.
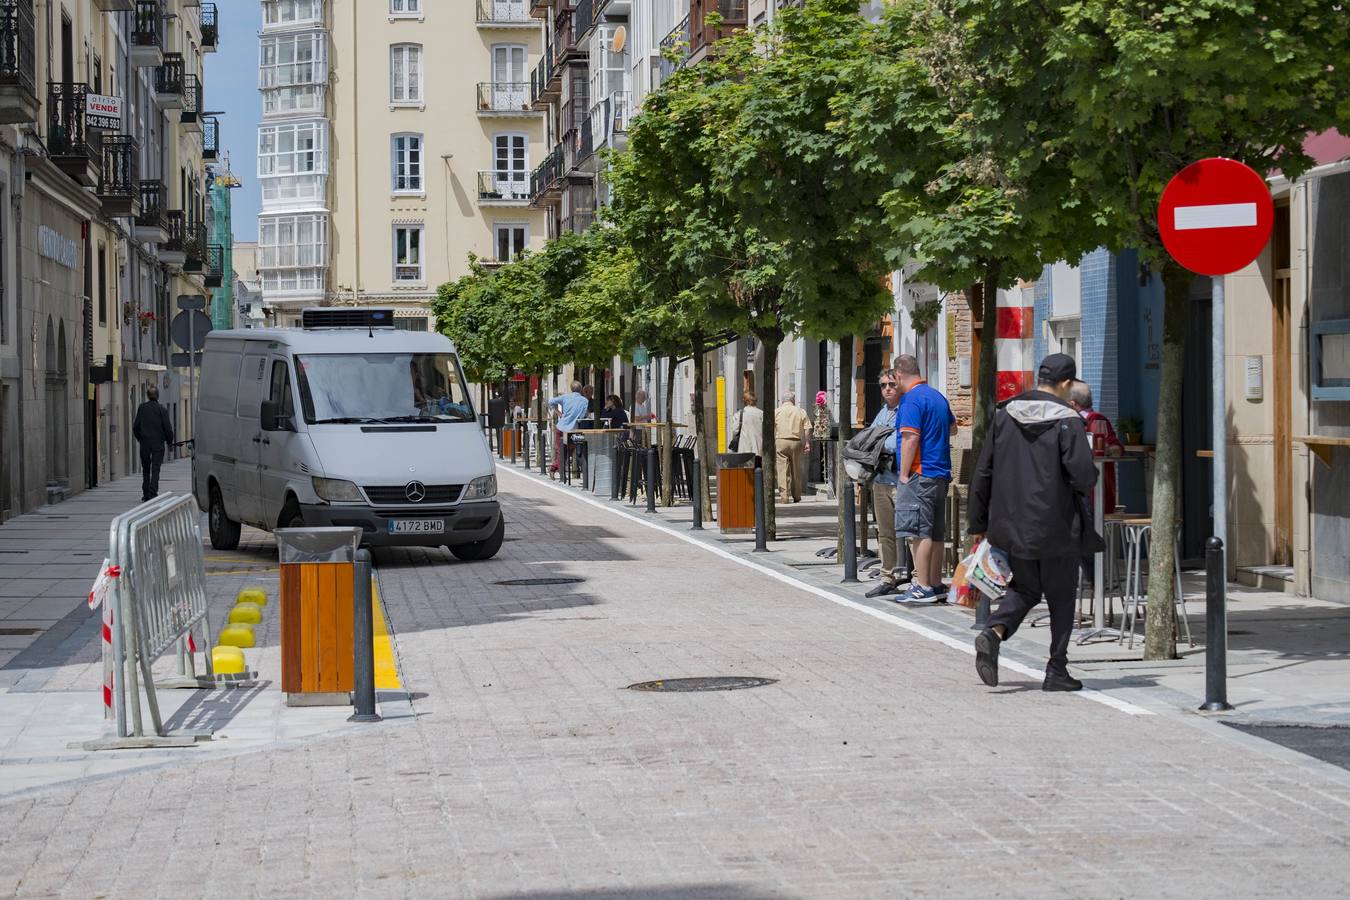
(1217, 215)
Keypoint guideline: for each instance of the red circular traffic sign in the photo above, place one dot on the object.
(1215, 216)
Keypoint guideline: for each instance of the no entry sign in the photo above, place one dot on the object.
(1215, 216)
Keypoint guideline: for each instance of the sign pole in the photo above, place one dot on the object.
(1219, 413)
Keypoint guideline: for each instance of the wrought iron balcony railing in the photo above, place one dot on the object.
(69, 141)
(152, 222)
(502, 12)
(118, 178)
(173, 246)
(544, 179)
(214, 273)
(194, 247)
(169, 81)
(210, 18)
(503, 185)
(210, 138)
(18, 41)
(503, 96)
(192, 101)
(147, 32)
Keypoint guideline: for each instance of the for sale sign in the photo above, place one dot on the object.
(103, 111)
(1215, 216)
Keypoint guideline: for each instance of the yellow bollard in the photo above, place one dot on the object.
(227, 660)
(237, 636)
(252, 595)
(246, 614)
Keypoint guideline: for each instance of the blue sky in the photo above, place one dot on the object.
(232, 86)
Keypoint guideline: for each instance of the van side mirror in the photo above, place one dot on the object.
(271, 419)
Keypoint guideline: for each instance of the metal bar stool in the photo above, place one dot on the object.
(1138, 535)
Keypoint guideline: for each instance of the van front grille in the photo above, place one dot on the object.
(397, 495)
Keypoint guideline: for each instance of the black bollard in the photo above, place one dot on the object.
(761, 515)
(501, 449)
(614, 477)
(696, 488)
(1216, 628)
(850, 530)
(515, 441)
(363, 638)
(651, 479)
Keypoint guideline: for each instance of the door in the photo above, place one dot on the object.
(1281, 391)
(1197, 473)
(511, 163)
(280, 450)
(509, 10)
(249, 434)
(508, 77)
(510, 241)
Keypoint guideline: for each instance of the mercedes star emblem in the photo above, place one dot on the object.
(416, 492)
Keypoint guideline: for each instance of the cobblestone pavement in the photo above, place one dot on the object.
(877, 765)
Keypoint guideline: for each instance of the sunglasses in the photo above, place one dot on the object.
(887, 384)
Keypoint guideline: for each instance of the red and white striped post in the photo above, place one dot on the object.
(1014, 344)
(98, 596)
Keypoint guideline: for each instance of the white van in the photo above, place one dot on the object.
(344, 421)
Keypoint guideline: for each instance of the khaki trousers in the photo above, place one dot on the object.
(883, 510)
(790, 467)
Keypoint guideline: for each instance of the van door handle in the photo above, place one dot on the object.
(257, 440)
(267, 441)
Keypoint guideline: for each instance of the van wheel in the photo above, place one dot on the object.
(223, 530)
(291, 517)
(484, 549)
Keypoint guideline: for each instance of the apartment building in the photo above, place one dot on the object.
(103, 139)
(398, 140)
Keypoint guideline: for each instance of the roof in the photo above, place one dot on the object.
(340, 340)
(1327, 147)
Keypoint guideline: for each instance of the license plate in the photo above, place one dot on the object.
(416, 526)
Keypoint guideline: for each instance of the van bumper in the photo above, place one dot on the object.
(464, 524)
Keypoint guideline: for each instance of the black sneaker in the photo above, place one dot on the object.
(884, 589)
(986, 656)
(1061, 682)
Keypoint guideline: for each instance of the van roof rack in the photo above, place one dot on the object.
(346, 317)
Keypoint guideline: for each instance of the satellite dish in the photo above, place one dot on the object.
(620, 39)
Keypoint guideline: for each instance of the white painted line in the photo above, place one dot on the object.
(967, 647)
(1215, 215)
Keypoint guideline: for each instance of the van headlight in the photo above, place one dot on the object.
(482, 488)
(335, 490)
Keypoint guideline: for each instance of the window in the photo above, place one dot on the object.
(410, 323)
(291, 59)
(280, 392)
(511, 165)
(295, 149)
(1066, 338)
(291, 12)
(405, 73)
(405, 7)
(408, 253)
(407, 163)
(292, 252)
(510, 241)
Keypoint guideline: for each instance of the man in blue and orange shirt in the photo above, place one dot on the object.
(926, 425)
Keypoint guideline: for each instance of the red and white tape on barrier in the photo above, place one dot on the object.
(98, 595)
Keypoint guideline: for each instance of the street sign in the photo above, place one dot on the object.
(180, 360)
(191, 301)
(1215, 216)
(188, 329)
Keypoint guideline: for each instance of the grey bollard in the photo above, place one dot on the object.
(543, 452)
(363, 641)
(696, 489)
(1216, 629)
(614, 472)
(850, 530)
(651, 479)
(761, 516)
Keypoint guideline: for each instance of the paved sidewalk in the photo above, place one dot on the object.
(876, 765)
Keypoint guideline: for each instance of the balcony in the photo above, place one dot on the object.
(68, 139)
(500, 187)
(169, 82)
(544, 88)
(702, 35)
(210, 139)
(210, 27)
(172, 248)
(546, 181)
(152, 223)
(213, 276)
(579, 221)
(677, 44)
(539, 8)
(194, 248)
(147, 34)
(608, 121)
(504, 99)
(567, 46)
(118, 185)
(18, 64)
(115, 5)
(508, 14)
(191, 116)
(584, 17)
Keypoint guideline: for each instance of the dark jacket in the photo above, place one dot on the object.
(1033, 479)
(152, 427)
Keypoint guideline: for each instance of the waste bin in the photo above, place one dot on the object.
(316, 614)
(736, 492)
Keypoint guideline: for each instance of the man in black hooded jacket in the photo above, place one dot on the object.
(1027, 499)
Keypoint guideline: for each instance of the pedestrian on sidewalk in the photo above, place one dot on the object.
(926, 425)
(570, 408)
(1080, 398)
(792, 439)
(883, 488)
(153, 432)
(1028, 500)
(747, 429)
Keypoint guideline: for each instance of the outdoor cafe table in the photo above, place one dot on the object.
(599, 457)
(1099, 628)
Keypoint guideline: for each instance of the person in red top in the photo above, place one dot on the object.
(1080, 397)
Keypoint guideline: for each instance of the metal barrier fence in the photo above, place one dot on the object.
(157, 597)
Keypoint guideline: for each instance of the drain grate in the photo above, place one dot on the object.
(715, 683)
(1240, 633)
(1329, 743)
(13, 632)
(537, 582)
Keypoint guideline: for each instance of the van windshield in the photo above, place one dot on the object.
(361, 388)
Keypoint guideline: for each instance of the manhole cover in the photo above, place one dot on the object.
(717, 683)
(538, 582)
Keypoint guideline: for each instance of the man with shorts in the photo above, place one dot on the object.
(926, 425)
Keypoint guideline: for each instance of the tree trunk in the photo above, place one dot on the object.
(1160, 623)
(701, 445)
(770, 341)
(667, 435)
(986, 392)
(845, 432)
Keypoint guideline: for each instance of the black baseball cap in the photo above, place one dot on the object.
(1057, 367)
